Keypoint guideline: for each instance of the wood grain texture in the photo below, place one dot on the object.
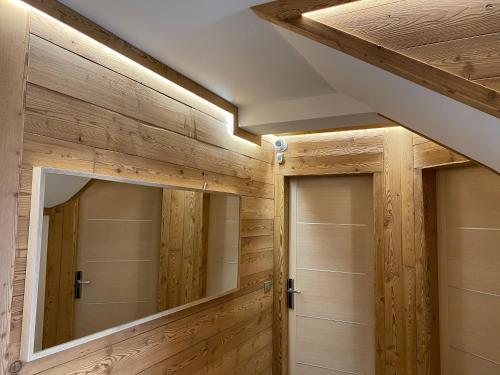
(406, 301)
(13, 49)
(427, 298)
(182, 267)
(492, 83)
(379, 272)
(63, 71)
(61, 262)
(285, 9)
(408, 251)
(359, 151)
(280, 312)
(427, 154)
(63, 117)
(470, 58)
(77, 124)
(394, 308)
(86, 38)
(409, 23)
(386, 57)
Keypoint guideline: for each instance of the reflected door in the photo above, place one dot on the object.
(331, 327)
(118, 247)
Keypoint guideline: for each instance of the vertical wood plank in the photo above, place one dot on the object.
(427, 298)
(53, 275)
(395, 354)
(204, 244)
(164, 243)
(188, 247)
(408, 251)
(175, 248)
(379, 290)
(68, 266)
(280, 315)
(13, 51)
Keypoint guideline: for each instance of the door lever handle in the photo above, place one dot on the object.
(291, 292)
(78, 284)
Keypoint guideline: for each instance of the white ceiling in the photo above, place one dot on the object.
(450, 122)
(282, 81)
(59, 188)
(220, 44)
(225, 47)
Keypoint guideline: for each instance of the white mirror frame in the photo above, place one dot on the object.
(33, 268)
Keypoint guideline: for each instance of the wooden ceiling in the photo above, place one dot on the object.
(449, 46)
(458, 36)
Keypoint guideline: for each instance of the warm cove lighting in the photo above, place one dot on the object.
(144, 75)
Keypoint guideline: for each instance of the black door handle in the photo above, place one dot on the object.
(291, 292)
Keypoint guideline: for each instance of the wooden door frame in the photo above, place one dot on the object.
(281, 263)
(427, 247)
(404, 241)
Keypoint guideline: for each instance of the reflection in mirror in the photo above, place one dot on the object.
(115, 252)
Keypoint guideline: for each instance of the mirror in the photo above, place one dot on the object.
(112, 252)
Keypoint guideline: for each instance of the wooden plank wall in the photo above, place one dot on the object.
(406, 306)
(183, 265)
(59, 281)
(83, 115)
(13, 50)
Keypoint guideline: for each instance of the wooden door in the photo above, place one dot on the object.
(118, 251)
(331, 328)
(468, 201)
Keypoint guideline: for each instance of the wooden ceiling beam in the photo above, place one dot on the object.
(287, 9)
(446, 83)
(79, 22)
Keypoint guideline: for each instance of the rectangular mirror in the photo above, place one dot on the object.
(106, 254)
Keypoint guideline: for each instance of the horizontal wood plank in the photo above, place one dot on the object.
(346, 164)
(411, 23)
(257, 208)
(62, 71)
(470, 58)
(83, 31)
(59, 116)
(127, 166)
(429, 154)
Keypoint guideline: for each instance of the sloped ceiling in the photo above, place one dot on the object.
(218, 43)
(463, 128)
(222, 45)
(284, 82)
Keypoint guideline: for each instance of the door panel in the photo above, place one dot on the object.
(333, 295)
(469, 270)
(350, 247)
(331, 328)
(331, 344)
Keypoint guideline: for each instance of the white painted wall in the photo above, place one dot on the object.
(452, 123)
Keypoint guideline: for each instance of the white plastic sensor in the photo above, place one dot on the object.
(280, 145)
